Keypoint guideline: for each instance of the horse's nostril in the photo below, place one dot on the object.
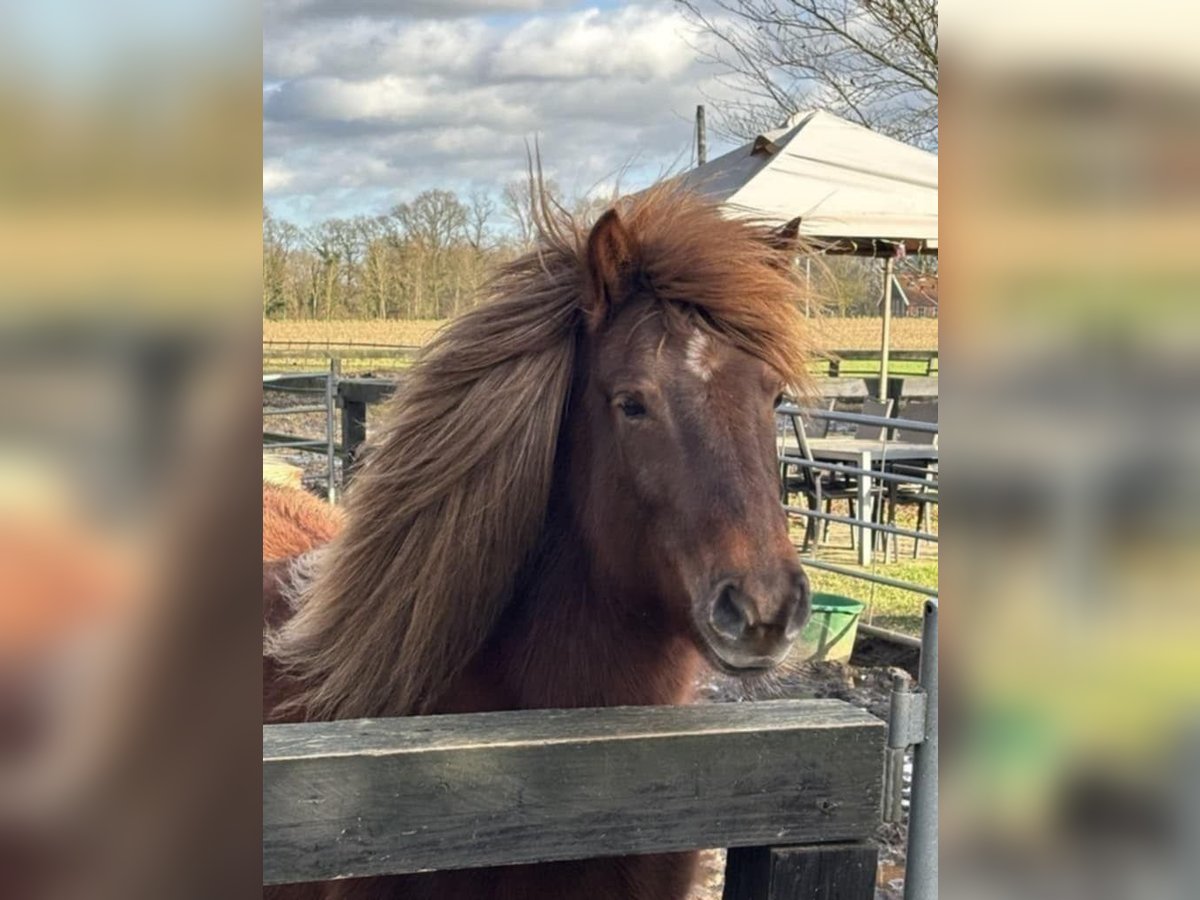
(728, 614)
(800, 606)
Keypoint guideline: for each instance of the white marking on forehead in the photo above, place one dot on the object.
(696, 361)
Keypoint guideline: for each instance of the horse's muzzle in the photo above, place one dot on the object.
(750, 623)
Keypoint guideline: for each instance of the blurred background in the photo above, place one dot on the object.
(1071, 177)
(131, 253)
(130, 161)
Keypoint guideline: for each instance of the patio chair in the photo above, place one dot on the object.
(872, 407)
(903, 494)
(819, 488)
(918, 412)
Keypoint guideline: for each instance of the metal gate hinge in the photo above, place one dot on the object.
(906, 727)
(906, 717)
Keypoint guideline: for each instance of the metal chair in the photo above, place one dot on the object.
(918, 412)
(819, 489)
(872, 407)
(920, 496)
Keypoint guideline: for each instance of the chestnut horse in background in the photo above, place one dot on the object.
(573, 501)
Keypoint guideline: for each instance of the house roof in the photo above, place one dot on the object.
(919, 290)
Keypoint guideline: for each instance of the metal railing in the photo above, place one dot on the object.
(323, 384)
(881, 481)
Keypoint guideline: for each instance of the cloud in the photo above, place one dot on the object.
(344, 9)
(361, 48)
(276, 177)
(360, 113)
(635, 43)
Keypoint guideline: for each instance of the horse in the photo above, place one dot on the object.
(573, 501)
(294, 521)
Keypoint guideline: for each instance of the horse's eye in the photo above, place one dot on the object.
(631, 408)
(779, 398)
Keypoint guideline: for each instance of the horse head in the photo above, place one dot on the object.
(673, 437)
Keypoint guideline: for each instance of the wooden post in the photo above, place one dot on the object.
(701, 137)
(354, 396)
(817, 872)
(354, 432)
(887, 326)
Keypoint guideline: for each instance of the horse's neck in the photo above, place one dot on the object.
(574, 639)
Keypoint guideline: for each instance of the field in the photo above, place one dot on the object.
(830, 334)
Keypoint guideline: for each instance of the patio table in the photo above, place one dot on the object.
(863, 454)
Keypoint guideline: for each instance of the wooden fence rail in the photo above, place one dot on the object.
(394, 796)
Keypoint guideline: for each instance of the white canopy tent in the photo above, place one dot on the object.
(845, 183)
(853, 190)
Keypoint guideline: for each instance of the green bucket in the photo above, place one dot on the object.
(829, 633)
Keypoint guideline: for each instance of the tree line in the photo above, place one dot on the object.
(423, 259)
(429, 258)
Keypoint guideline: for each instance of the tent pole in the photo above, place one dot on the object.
(888, 264)
(807, 284)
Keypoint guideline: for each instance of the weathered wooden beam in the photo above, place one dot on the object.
(367, 390)
(816, 872)
(842, 388)
(371, 797)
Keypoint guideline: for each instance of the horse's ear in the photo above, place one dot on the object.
(786, 238)
(613, 262)
(786, 241)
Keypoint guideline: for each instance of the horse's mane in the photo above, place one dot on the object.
(453, 492)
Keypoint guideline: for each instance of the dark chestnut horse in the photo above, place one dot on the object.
(573, 501)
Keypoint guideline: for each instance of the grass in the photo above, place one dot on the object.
(861, 368)
(887, 607)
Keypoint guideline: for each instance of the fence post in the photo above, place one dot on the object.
(335, 370)
(921, 867)
(354, 432)
(825, 871)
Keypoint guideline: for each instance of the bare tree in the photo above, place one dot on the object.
(518, 206)
(323, 239)
(345, 239)
(426, 259)
(281, 240)
(434, 219)
(479, 212)
(873, 61)
(376, 236)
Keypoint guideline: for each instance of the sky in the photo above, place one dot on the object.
(366, 103)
